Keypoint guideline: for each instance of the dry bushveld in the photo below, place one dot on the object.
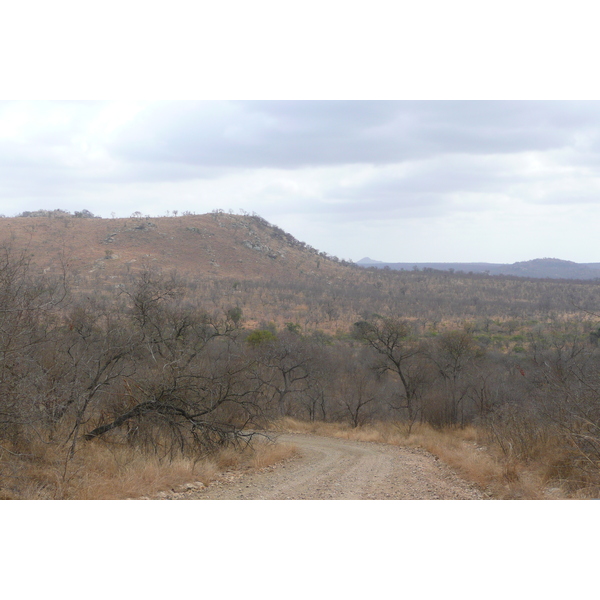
(147, 357)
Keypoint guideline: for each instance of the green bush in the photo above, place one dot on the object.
(260, 336)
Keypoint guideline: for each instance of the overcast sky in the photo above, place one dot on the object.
(402, 181)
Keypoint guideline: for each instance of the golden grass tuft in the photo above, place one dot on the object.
(142, 476)
(228, 458)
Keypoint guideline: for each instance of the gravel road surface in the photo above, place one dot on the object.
(338, 469)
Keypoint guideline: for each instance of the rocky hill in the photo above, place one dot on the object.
(213, 245)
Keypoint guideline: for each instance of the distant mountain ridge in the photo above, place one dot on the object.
(543, 268)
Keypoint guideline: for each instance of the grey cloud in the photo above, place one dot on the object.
(395, 205)
(568, 197)
(298, 134)
(179, 141)
(250, 135)
(475, 127)
(425, 189)
(378, 201)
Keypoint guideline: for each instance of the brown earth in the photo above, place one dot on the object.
(337, 469)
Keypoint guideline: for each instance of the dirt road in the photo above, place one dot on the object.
(330, 469)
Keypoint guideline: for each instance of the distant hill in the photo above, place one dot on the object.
(552, 268)
(366, 261)
(545, 268)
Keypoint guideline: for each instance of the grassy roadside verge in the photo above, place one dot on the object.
(114, 472)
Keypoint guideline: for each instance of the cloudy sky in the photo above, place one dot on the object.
(404, 181)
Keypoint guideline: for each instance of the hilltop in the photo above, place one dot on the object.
(215, 245)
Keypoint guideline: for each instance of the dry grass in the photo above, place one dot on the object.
(97, 472)
(387, 433)
(266, 454)
(465, 450)
(103, 472)
(102, 478)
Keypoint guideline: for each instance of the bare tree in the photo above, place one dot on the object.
(283, 369)
(393, 343)
(190, 377)
(455, 355)
(28, 313)
(358, 391)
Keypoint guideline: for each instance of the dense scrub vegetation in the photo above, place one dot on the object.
(174, 367)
